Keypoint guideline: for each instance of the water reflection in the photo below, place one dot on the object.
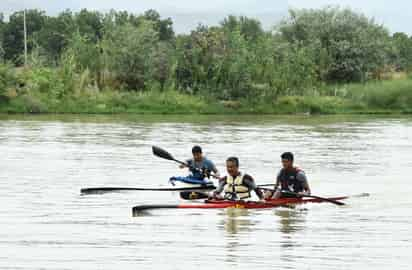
(291, 220)
(291, 223)
(236, 220)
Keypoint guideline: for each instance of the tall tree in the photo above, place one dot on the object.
(2, 25)
(14, 37)
(90, 24)
(162, 63)
(56, 34)
(350, 46)
(130, 50)
(403, 48)
(163, 27)
(250, 28)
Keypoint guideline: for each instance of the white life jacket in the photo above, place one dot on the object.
(236, 186)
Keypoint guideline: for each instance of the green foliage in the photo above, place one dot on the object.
(403, 51)
(13, 33)
(56, 34)
(311, 105)
(82, 53)
(83, 62)
(350, 46)
(235, 74)
(288, 68)
(250, 29)
(2, 26)
(162, 63)
(90, 24)
(28, 103)
(47, 81)
(229, 64)
(129, 51)
(8, 80)
(164, 28)
(199, 57)
(391, 95)
(166, 102)
(216, 61)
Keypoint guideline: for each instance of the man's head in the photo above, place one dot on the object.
(287, 160)
(197, 153)
(232, 166)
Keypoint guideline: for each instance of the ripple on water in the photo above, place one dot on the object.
(46, 224)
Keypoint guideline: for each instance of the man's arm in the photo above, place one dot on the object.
(277, 183)
(213, 168)
(219, 189)
(303, 179)
(269, 193)
(187, 161)
(250, 183)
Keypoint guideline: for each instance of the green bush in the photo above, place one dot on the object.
(310, 104)
(349, 46)
(28, 103)
(45, 80)
(8, 80)
(392, 94)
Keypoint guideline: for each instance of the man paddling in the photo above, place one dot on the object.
(289, 180)
(236, 185)
(200, 166)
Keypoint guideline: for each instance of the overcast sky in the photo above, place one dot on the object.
(396, 15)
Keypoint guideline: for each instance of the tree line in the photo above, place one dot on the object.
(122, 51)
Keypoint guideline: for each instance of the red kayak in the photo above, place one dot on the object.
(218, 204)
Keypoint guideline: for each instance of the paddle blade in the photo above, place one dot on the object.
(162, 153)
(192, 195)
(139, 209)
(102, 190)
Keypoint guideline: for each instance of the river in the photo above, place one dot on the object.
(46, 224)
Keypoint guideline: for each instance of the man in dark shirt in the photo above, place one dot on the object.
(289, 179)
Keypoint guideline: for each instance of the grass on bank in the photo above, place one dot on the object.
(377, 96)
(47, 91)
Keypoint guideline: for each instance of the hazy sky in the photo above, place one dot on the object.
(396, 15)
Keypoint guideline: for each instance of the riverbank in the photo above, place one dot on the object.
(375, 97)
(127, 63)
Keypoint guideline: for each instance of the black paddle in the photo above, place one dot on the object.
(157, 151)
(100, 190)
(139, 210)
(315, 197)
(308, 196)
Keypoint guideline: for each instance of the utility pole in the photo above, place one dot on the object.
(25, 37)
